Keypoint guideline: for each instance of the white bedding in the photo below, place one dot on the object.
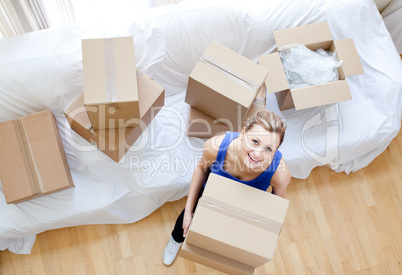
(43, 70)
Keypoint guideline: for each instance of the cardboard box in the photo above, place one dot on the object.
(214, 261)
(224, 84)
(110, 82)
(237, 221)
(314, 36)
(32, 158)
(203, 126)
(116, 142)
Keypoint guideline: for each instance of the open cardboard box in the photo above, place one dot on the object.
(237, 222)
(110, 82)
(204, 126)
(32, 158)
(116, 142)
(224, 84)
(313, 36)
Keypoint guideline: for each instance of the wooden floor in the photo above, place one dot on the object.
(336, 224)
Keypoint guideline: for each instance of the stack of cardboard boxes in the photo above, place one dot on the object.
(116, 106)
(117, 103)
(235, 227)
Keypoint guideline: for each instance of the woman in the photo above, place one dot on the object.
(250, 157)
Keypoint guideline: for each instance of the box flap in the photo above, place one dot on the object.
(126, 73)
(347, 52)
(16, 175)
(41, 132)
(238, 195)
(94, 70)
(314, 36)
(276, 80)
(222, 84)
(237, 63)
(313, 96)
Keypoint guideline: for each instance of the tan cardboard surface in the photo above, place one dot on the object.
(236, 62)
(244, 220)
(48, 159)
(276, 79)
(231, 238)
(126, 73)
(347, 52)
(15, 171)
(110, 82)
(223, 84)
(93, 51)
(323, 94)
(314, 35)
(230, 103)
(214, 260)
(116, 142)
(204, 126)
(238, 195)
(38, 166)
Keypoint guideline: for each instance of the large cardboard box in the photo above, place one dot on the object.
(204, 126)
(237, 222)
(32, 158)
(116, 142)
(110, 82)
(314, 36)
(224, 84)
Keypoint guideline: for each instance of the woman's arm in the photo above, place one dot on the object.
(200, 175)
(281, 179)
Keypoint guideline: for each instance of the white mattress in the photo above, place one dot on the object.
(43, 70)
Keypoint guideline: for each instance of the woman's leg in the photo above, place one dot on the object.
(177, 232)
(173, 246)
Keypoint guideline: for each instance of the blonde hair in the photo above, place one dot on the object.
(269, 121)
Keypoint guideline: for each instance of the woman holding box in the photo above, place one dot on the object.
(250, 157)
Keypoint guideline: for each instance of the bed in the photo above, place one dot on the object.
(43, 70)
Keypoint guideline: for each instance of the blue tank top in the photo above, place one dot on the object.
(261, 182)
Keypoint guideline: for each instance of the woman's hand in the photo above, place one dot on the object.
(186, 222)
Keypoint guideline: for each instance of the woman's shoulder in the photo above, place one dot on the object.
(212, 145)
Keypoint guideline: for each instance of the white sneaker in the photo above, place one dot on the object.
(170, 251)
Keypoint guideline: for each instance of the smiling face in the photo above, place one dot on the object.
(258, 146)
